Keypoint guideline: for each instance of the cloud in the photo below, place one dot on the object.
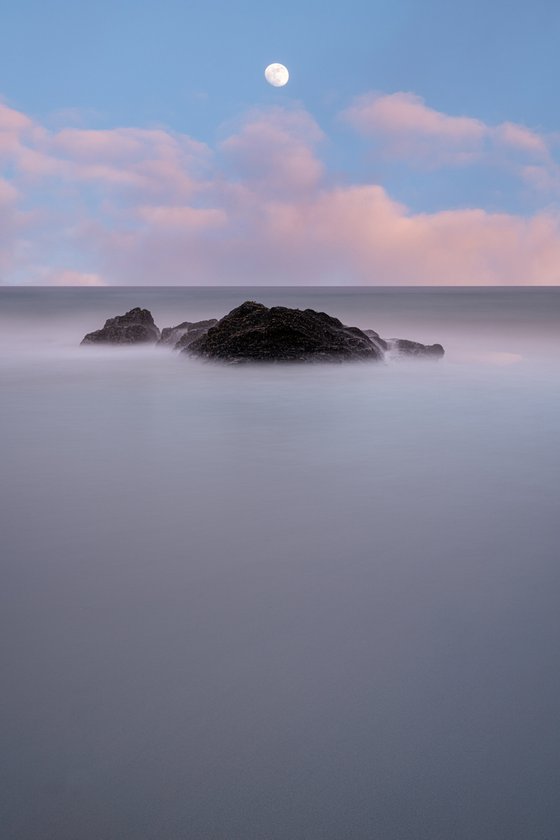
(12, 223)
(274, 152)
(185, 219)
(405, 128)
(140, 162)
(12, 120)
(151, 206)
(356, 235)
(8, 193)
(543, 178)
(521, 138)
(13, 124)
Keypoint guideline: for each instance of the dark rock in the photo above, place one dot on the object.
(376, 338)
(135, 327)
(254, 333)
(171, 335)
(187, 338)
(413, 348)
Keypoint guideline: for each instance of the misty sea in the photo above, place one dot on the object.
(314, 602)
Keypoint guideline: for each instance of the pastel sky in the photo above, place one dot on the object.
(416, 143)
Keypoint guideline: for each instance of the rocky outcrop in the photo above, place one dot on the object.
(254, 333)
(187, 339)
(134, 327)
(172, 335)
(376, 338)
(404, 347)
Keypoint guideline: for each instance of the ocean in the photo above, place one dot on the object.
(281, 602)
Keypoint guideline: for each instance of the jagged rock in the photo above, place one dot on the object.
(404, 347)
(172, 335)
(253, 332)
(376, 338)
(135, 327)
(190, 336)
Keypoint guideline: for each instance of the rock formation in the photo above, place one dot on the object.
(172, 335)
(135, 327)
(253, 332)
(376, 338)
(404, 347)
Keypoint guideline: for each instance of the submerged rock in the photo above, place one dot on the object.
(172, 335)
(404, 347)
(134, 327)
(254, 333)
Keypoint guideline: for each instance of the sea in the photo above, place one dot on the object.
(280, 602)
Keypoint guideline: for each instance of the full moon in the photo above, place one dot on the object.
(276, 75)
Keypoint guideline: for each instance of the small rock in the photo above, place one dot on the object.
(404, 347)
(172, 335)
(135, 327)
(376, 338)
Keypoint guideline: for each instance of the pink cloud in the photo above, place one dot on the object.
(8, 193)
(274, 151)
(262, 209)
(544, 177)
(185, 219)
(124, 145)
(343, 235)
(12, 120)
(521, 138)
(12, 223)
(383, 242)
(407, 127)
(148, 162)
(12, 124)
(406, 113)
(117, 145)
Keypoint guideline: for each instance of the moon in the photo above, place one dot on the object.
(276, 75)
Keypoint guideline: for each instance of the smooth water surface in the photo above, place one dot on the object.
(281, 603)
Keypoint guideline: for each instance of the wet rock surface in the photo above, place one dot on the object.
(404, 347)
(376, 339)
(253, 332)
(193, 329)
(134, 327)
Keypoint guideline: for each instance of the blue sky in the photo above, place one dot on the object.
(196, 69)
(142, 61)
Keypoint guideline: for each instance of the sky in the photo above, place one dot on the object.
(416, 143)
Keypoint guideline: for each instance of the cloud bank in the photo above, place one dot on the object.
(151, 206)
(406, 128)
